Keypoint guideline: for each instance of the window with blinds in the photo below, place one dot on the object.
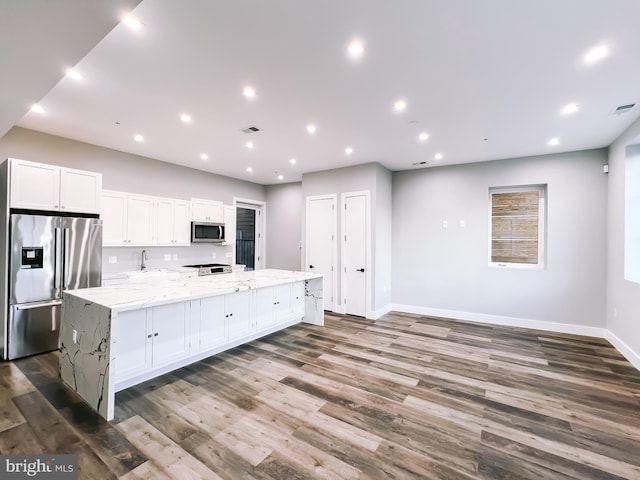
(517, 225)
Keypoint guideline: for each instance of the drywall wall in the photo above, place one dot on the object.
(447, 269)
(283, 226)
(135, 174)
(126, 172)
(623, 296)
(376, 179)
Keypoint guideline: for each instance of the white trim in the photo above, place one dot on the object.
(624, 349)
(381, 311)
(334, 243)
(505, 321)
(261, 247)
(368, 279)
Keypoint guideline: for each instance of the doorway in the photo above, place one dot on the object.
(321, 243)
(249, 234)
(356, 275)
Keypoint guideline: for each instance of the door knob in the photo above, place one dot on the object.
(359, 269)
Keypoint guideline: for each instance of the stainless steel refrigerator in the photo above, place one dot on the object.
(48, 254)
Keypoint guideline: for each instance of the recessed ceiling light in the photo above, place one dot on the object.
(249, 91)
(73, 73)
(249, 169)
(311, 128)
(348, 150)
(292, 161)
(138, 138)
(423, 137)
(35, 108)
(438, 156)
(554, 141)
(185, 117)
(569, 108)
(280, 177)
(356, 49)
(596, 53)
(132, 22)
(399, 105)
(250, 145)
(204, 156)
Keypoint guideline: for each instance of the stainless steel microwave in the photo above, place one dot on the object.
(204, 232)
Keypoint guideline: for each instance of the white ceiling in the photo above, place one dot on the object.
(469, 70)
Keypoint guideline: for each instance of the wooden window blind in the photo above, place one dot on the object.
(515, 226)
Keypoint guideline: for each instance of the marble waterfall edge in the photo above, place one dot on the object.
(314, 301)
(86, 355)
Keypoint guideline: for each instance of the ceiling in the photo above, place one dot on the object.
(486, 80)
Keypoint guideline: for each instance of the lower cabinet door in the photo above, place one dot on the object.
(170, 333)
(264, 307)
(213, 325)
(237, 314)
(282, 298)
(132, 347)
(297, 299)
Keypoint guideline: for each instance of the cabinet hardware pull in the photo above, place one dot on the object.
(155, 334)
(149, 336)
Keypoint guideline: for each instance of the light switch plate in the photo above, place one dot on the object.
(167, 257)
(175, 256)
(445, 224)
(462, 224)
(113, 259)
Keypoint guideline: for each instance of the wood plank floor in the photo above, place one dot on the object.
(403, 397)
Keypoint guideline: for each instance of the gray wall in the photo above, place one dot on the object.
(377, 180)
(623, 296)
(135, 174)
(448, 268)
(283, 226)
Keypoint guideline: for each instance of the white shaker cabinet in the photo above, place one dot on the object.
(128, 220)
(212, 323)
(172, 225)
(237, 315)
(170, 333)
(206, 210)
(230, 225)
(38, 186)
(132, 347)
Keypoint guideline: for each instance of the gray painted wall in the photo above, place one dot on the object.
(448, 268)
(377, 179)
(283, 226)
(623, 296)
(135, 174)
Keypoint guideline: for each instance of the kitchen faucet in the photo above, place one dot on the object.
(143, 261)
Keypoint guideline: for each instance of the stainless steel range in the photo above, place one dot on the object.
(211, 268)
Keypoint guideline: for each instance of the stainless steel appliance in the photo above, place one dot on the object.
(211, 268)
(204, 232)
(48, 254)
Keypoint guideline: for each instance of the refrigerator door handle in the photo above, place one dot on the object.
(57, 260)
(65, 260)
(38, 305)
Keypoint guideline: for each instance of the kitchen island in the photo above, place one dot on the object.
(116, 336)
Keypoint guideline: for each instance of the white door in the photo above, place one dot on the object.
(321, 242)
(354, 254)
(250, 239)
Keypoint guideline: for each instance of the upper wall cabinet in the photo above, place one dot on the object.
(37, 186)
(128, 220)
(206, 210)
(173, 224)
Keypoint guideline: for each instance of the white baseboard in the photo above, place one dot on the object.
(376, 314)
(624, 349)
(506, 321)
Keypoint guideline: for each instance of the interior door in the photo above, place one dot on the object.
(321, 242)
(355, 258)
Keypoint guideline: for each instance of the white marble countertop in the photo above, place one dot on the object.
(142, 295)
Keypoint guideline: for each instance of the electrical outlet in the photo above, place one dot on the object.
(113, 259)
(213, 255)
(461, 223)
(445, 224)
(175, 256)
(167, 257)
